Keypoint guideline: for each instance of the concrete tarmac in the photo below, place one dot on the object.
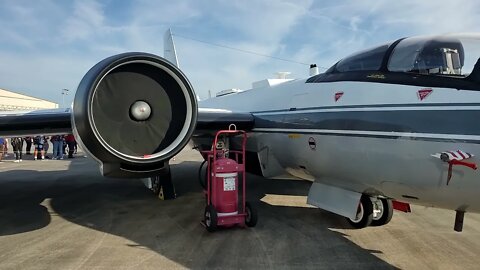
(61, 214)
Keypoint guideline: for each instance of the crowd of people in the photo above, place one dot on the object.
(63, 146)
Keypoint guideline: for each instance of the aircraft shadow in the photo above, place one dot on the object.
(22, 211)
(285, 237)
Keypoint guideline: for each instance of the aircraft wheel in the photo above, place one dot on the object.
(364, 213)
(210, 217)
(252, 215)
(384, 208)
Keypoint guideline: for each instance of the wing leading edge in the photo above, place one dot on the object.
(215, 119)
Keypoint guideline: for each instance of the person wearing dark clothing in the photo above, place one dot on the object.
(17, 145)
(39, 142)
(64, 146)
(70, 139)
(28, 141)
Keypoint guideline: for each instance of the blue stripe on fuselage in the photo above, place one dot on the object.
(409, 105)
(445, 121)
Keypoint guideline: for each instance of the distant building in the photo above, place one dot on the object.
(11, 101)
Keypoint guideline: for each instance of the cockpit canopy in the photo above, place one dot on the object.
(438, 55)
(452, 55)
(370, 59)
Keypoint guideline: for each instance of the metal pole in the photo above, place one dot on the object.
(64, 92)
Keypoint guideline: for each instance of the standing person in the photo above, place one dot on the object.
(70, 139)
(2, 142)
(5, 147)
(28, 140)
(17, 145)
(46, 146)
(38, 141)
(57, 142)
(64, 145)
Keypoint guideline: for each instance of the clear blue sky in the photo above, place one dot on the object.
(48, 45)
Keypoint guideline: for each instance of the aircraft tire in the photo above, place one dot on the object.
(210, 218)
(387, 213)
(252, 216)
(364, 215)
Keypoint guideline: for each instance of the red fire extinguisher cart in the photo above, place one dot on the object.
(225, 175)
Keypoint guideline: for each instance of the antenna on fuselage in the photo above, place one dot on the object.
(314, 70)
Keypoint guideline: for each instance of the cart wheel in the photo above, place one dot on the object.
(252, 216)
(210, 218)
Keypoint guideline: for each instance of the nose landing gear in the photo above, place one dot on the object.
(382, 211)
(364, 215)
(372, 212)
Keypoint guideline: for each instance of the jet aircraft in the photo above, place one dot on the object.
(384, 127)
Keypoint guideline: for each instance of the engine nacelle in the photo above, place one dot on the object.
(133, 112)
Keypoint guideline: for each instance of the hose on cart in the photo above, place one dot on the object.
(202, 180)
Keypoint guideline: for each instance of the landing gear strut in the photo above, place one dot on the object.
(372, 212)
(162, 186)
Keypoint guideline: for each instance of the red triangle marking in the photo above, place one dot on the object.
(338, 95)
(423, 93)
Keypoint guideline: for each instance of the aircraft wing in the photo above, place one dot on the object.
(58, 121)
(44, 122)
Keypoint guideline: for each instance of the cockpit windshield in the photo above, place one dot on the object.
(370, 59)
(439, 55)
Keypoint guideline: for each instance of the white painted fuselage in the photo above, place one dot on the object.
(370, 138)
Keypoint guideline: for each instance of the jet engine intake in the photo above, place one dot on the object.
(133, 112)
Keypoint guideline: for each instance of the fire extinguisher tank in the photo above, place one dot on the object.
(225, 186)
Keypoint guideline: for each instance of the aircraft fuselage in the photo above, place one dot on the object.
(369, 137)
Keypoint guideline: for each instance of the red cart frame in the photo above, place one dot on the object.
(245, 211)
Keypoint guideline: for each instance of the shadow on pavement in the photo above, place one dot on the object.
(285, 237)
